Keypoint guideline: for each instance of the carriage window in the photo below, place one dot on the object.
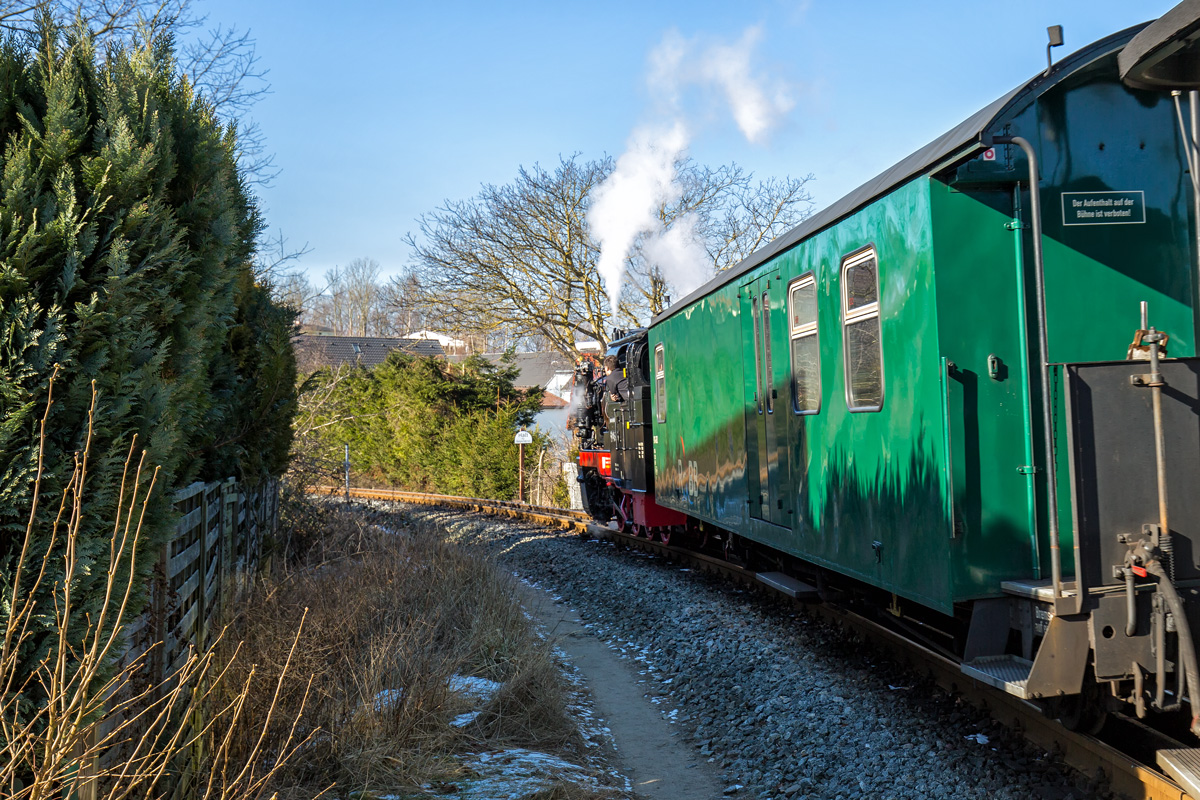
(860, 318)
(806, 358)
(766, 332)
(660, 383)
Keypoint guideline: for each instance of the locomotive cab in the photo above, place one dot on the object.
(628, 414)
(618, 476)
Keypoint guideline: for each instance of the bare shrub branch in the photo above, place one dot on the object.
(110, 729)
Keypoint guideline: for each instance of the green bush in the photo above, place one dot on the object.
(427, 425)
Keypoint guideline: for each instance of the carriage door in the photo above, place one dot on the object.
(764, 337)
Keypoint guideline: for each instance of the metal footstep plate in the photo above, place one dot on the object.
(788, 585)
(1184, 767)
(1009, 673)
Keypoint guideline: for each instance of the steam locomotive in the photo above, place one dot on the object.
(948, 395)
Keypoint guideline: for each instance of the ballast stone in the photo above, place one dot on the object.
(735, 653)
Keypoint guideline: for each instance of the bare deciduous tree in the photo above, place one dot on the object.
(275, 263)
(354, 301)
(329, 307)
(363, 296)
(312, 459)
(294, 290)
(735, 216)
(402, 298)
(519, 258)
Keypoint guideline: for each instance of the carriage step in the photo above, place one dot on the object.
(1041, 590)
(1009, 673)
(1184, 767)
(788, 585)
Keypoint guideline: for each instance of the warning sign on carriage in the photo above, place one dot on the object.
(1104, 208)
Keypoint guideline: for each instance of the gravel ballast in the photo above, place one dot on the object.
(786, 705)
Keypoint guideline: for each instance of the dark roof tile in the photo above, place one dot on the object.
(314, 351)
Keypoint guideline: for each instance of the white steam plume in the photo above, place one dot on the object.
(626, 206)
(755, 107)
(679, 254)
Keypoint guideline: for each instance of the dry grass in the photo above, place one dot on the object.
(114, 736)
(397, 614)
(337, 671)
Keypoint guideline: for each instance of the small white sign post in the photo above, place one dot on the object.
(522, 438)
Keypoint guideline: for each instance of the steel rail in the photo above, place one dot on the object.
(1126, 775)
(563, 518)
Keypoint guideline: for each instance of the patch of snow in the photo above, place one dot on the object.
(479, 689)
(977, 737)
(516, 774)
(463, 720)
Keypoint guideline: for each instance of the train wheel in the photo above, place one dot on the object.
(622, 523)
(624, 515)
(664, 535)
(1085, 712)
(1080, 715)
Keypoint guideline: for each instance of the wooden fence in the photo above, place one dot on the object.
(208, 562)
(215, 550)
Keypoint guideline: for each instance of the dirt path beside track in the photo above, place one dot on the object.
(657, 762)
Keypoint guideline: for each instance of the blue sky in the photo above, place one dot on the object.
(379, 112)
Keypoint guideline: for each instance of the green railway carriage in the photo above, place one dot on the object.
(925, 484)
(928, 390)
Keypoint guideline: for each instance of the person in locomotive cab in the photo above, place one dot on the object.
(613, 379)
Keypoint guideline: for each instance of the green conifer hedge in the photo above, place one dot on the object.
(126, 242)
(427, 425)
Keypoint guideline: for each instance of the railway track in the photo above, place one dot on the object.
(1126, 774)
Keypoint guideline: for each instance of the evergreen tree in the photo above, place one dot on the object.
(425, 424)
(126, 239)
